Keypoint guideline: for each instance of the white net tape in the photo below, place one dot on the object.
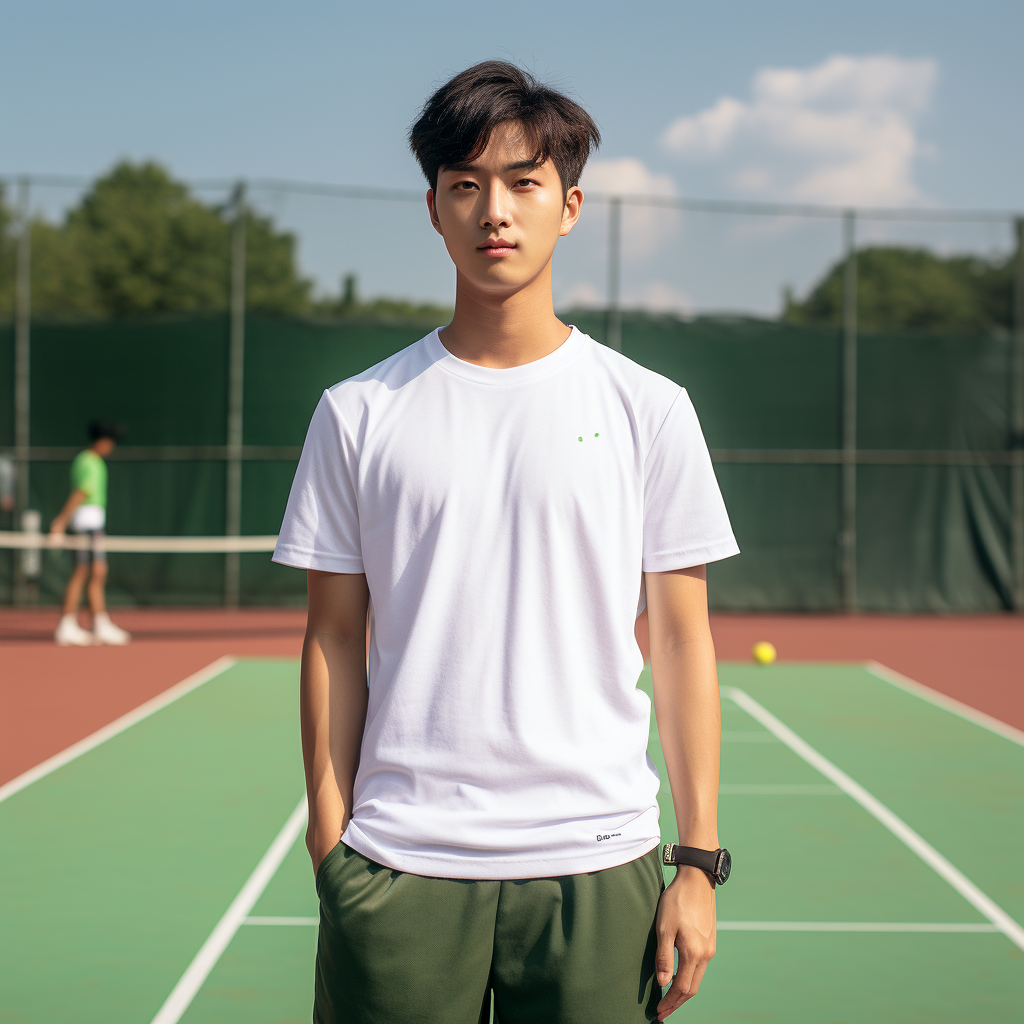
(158, 545)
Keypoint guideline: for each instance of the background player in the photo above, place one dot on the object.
(86, 512)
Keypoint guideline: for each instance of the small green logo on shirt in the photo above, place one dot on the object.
(581, 438)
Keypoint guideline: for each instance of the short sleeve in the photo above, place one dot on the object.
(321, 522)
(87, 474)
(685, 521)
(81, 472)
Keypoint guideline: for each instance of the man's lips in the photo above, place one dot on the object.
(497, 247)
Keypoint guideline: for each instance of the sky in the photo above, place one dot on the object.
(898, 103)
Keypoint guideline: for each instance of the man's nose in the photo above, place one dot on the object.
(496, 212)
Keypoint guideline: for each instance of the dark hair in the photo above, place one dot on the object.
(99, 429)
(456, 122)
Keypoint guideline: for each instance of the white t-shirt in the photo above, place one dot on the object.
(502, 518)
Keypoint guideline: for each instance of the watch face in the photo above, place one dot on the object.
(724, 867)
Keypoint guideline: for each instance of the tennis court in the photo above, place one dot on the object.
(160, 874)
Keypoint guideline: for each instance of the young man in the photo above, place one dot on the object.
(86, 512)
(483, 817)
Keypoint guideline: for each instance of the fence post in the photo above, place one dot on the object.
(1017, 423)
(848, 484)
(614, 324)
(22, 359)
(236, 393)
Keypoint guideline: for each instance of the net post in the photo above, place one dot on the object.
(848, 483)
(614, 316)
(236, 394)
(1017, 423)
(22, 378)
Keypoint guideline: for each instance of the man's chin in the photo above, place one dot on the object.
(499, 281)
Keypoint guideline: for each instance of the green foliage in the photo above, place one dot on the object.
(913, 288)
(139, 242)
(349, 306)
(7, 255)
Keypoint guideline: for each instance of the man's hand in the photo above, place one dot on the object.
(686, 921)
(60, 522)
(319, 844)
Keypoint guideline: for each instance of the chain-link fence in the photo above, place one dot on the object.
(833, 413)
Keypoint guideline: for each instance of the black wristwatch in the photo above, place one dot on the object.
(716, 864)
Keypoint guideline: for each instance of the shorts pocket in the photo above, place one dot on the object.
(321, 871)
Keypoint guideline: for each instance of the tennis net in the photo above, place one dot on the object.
(149, 570)
(38, 542)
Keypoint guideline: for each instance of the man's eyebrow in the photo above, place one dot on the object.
(521, 165)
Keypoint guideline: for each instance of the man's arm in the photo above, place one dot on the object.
(332, 702)
(75, 498)
(686, 702)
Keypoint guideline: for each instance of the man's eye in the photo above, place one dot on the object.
(465, 186)
(525, 181)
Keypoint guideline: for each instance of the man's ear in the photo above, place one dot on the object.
(571, 210)
(433, 212)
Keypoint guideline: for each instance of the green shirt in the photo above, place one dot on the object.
(89, 474)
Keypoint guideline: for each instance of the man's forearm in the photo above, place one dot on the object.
(687, 705)
(333, 698)
(689, 725)
(75, 498)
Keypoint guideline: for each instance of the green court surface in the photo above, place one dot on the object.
(161, 876)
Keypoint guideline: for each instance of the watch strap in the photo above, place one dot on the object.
(690, 856)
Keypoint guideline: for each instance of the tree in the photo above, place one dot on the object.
(7, 256)
(913, 288)
(139, 242)
(349, 305)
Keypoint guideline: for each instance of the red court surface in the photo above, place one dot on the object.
(51, 696)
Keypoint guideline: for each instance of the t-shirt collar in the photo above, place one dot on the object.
(505, 375)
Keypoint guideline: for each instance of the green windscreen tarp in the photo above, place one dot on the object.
(931, 536)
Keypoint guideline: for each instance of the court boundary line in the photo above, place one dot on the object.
(986, 906)
(891, 927)
(944, 701)
(189, 984)
(117, 726)
(282, 921)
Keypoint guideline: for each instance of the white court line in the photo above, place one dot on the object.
(777, 789)
(313, 921)
(51, 764)
(757, 926)
(896, 825)
(940, 700)
(852, 926)
(211, 950)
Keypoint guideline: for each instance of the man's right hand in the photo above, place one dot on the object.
(321, 845)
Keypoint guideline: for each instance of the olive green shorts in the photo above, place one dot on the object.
(396, 948)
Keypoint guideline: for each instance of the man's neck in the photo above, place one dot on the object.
(504, 331)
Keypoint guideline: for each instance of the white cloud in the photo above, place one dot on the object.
(626, 176)
(661, 297)
(643, 227)
(580, 295)
(841, 132)
(655, 296)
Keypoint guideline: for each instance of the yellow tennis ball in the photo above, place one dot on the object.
(763, 652)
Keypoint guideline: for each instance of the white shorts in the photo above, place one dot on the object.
(89, 517)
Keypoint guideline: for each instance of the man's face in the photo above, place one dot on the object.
(500, 214)
(104, 446)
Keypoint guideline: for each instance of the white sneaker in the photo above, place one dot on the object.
(70, 634)
(105, 632)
